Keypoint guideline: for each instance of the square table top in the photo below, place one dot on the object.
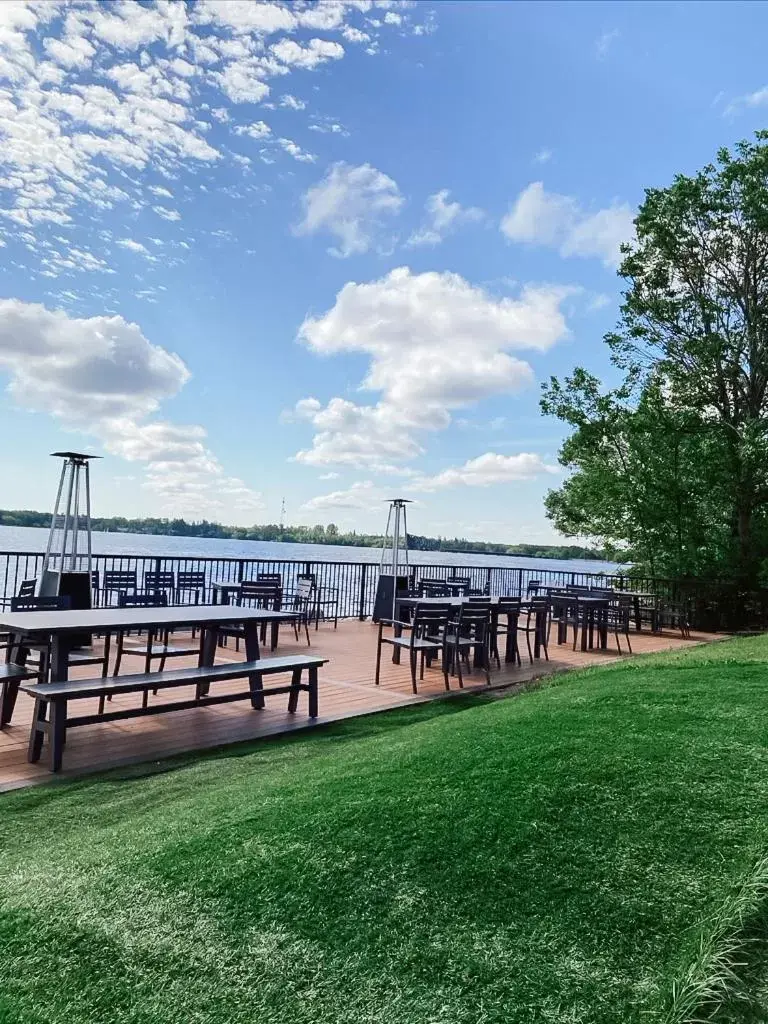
(95, 620)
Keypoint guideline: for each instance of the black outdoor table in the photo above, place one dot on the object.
(593, 612)
(63, 627)
(411, 602)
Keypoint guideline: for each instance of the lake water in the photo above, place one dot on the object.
(32, 539)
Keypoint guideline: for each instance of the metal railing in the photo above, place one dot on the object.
(354, 583)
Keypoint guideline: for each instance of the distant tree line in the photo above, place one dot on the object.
(318, 534)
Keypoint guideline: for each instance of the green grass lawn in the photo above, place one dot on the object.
(574, 854)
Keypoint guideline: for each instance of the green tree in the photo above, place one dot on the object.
(674, 463)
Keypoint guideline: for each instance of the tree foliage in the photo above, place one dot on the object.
(673, 464)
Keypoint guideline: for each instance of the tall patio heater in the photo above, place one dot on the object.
(393, 568)
(68, 562)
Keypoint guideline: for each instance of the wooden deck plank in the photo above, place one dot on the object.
(346, 689)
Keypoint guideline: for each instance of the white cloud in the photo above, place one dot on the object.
(485, 470)
(435, 343)
(443, 216)
(294, 150)
(257, 130)
(558, 221)
(102, 377)
(166, 213)
(317, 51)
(351, 204)
(360, 496)
(543, 156)
(749, 101)
(133, 246)
(292, 102)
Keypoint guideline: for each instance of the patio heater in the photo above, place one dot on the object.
(68, 561)
(393, 568)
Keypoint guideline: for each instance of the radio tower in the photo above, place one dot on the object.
(282, 516)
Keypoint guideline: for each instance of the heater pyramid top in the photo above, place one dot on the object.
(73, 455)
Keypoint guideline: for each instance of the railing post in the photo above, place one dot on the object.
(240, 570)
(361, 604)
(520, 582)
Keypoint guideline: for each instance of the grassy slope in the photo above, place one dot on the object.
(546, 858)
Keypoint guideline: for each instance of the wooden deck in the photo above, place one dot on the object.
(346, 690)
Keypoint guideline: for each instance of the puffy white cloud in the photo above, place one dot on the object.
(485, 470)
(317, 51)
(550, 219)
(293, 149)
(362, 495)
(351, 204)
(133, 246)
(442, 216)
(436, 343)
(292, 102)
(749, 101)
(257, 130)
(102, 377)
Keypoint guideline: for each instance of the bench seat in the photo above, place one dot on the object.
(58, 694)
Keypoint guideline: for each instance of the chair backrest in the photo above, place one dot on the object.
(157, 600)
(270, 577)
(27, 588)
(159, 580)
(534, 586)
(120, 579)
(434, 589)
(259, 593)
(537, 606)
(190, 579)
(598, 592)
(311, 576)
(480, 600)
(474, 620)
(508, 606)
(41, 604)
(463, 581)
(430, 619)
(572, 588)
(304, 588)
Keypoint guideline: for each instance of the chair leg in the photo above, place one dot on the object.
(378, 652)
(528, 642)
(413, 658)
(457, 656)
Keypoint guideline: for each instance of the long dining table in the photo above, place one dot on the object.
(60, 629)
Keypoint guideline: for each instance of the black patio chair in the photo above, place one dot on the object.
(508, 609)
(118, 581)
(160, 581)
(40, 650)
(190, 584)
(469, 632)
(151, 650)
(534, 624)
(533, 588)
(427, 638)
(620, 612)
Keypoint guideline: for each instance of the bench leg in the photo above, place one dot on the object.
(57, 732)
(8, 703)
(293, 697)
(37, 731)
(313, 701)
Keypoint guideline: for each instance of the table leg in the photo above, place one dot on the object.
(208, 643)
(274, 639)
(397, 631)
(252, 653)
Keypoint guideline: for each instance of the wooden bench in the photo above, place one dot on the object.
(57, 695)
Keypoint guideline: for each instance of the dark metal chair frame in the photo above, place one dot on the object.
(428, 632)
(536, 618)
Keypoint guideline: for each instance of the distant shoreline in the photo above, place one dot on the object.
(316, 536)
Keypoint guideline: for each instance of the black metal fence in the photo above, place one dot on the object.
(711, 605)
(354, 582)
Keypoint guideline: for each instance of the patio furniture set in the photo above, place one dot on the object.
(446, 620)
(44, 638)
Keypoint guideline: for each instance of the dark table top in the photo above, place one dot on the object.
(95, 620)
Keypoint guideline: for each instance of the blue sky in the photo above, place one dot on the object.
(327, 252)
